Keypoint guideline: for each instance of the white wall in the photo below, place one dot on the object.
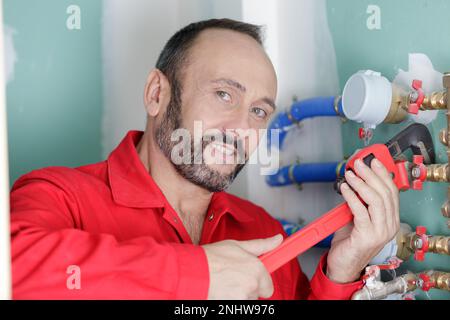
(301, 48)
(300, 45)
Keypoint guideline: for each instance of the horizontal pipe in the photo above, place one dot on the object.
(307, 172)
(301, 110)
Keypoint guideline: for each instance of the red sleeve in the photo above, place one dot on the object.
(323, 288)
(45, 244)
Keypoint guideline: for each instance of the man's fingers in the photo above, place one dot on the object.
(380, 183)
(384, 174)
(258, 247)
(370, 196)
(361, 216)
(265, 285)
(381, 170)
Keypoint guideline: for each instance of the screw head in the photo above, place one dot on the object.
(418, 243)
(415, 172)
(419, 283)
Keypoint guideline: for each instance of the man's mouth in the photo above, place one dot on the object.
(223, 148)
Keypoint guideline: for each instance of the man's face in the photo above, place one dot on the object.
(228, 89)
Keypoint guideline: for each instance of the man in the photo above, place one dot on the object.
(144, 225)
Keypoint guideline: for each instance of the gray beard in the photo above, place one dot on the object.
(199, 174)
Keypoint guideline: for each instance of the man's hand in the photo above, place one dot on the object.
(356, 244)
(236, 272)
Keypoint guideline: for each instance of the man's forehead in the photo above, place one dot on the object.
(226, 54)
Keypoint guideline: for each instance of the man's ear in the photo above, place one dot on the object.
(156, 93)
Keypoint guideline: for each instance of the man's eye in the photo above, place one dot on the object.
(224, 96)
(260, 113)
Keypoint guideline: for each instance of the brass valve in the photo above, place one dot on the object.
(401, 102)
(418, 243)
(377, 290)
(434, 279)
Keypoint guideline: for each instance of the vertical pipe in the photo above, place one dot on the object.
(447, 87)
(5, 256)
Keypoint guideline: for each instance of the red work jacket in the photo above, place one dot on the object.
(106, 231)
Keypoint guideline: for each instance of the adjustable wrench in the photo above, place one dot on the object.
(416, 137)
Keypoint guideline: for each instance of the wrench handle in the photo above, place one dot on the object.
(307, 237)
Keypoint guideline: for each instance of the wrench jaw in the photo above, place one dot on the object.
(416, 138)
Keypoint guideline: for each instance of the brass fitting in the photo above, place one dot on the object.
(445, 209)
(438, 173)
(405, 242)
(435, 101)
(398, 110)
(401, 100)
(380, 290)
(439, 244)
(446, 81)
(443, 137)
(411, 281)
(439, 280)
(408, 242)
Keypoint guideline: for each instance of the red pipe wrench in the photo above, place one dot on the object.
(416, 137)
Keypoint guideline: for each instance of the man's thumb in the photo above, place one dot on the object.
(258, 247)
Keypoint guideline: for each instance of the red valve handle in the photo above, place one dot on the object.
(361, 133)
(418, 182)
(419, 255)
(415, 106)
(427, 284)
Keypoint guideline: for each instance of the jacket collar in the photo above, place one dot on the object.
(133, 186)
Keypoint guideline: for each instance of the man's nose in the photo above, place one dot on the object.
(239, 122)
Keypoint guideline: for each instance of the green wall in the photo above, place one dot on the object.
(54, 102)
(407, 26)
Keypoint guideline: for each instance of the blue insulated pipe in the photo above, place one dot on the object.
(301, 110)
(307, 172)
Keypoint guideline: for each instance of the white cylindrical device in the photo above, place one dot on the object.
(367, 98)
